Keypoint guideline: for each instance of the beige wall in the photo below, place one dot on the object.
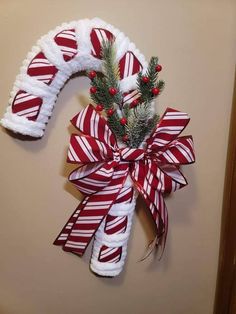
(194, 40)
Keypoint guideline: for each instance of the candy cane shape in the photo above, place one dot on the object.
(73, 47)
(70, 48)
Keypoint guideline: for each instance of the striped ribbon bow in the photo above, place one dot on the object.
(104, 168)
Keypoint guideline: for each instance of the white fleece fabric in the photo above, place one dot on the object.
(82, 61)
(112, 269)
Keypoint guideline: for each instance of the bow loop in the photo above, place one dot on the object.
(179, 152)
(171, 124)
(105, 167)
(91, 178)
(86, 149)
(91, 123)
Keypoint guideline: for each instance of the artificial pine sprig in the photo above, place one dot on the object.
(111, 69)
(148, 85)
(101, 95)
(137, 119)
(140, 122)
(107, 93)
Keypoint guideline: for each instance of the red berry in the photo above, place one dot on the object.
(99, 107)
(93, 90)
(155, 91)
(158, 68)
(134, 103)
(92, 74)
(125, 138)
(123, 121)
(112, 91)
(110, 112)
(145, 79)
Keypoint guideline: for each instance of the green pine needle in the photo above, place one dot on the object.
(140, 120)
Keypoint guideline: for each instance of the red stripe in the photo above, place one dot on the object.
(67, 42)
(108, 258)
(27, 104)
(136, 66)
(41, 68)
(118, 228)
(97, 43)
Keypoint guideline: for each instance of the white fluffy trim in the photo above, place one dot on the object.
(114, 240)
(83, 61)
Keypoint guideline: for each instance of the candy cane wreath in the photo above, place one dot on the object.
(112, 169)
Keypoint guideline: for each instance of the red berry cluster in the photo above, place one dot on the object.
(145, 79)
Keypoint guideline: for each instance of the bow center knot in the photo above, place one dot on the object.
(132, 154)
(116, 156)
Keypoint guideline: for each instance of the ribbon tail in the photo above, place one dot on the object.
(157, 207)
(68, 227)
(83, 224)
(87, 221)
(160, 215)
(156, 246)
(149, 249)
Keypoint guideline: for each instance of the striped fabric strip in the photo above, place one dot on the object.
(125, 195)
(62, 237)
(130, 96)
(96, 207)
(152, 196)
(115, 224)
(143, 177)
(66, 40)
(26, 105)
(92, 180)
(103, 172)
(84, 149)
(131, 154)
(166, 178)
(171, 124)
(159, 213)
(97, 126)
(110, 255)
(41, 69)
(97, 36)
(129, 65)
(180, 151)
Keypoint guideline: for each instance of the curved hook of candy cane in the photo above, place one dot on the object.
(71, 47)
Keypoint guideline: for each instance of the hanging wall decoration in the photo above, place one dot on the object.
(120, 148)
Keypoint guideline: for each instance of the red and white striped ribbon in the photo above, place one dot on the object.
(43, 70)
(115, 225)
(97, 36)
(104, 168)
(40, 68)
(26, 105)
(66, 40)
